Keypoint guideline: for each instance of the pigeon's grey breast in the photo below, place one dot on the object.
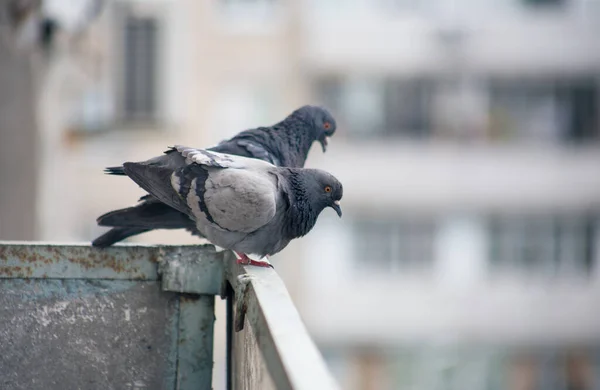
(246, 210)
(271, 238)
(231, 204)
(240, 200)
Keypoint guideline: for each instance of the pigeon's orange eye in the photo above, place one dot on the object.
(327, 125)
(327, 189)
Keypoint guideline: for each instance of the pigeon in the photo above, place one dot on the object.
(246, 205)
(287, 143)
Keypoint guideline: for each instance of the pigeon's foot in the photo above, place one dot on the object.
(245, 260)
(256, 263)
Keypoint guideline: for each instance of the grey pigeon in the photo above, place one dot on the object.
(247, 205)
(286, 143)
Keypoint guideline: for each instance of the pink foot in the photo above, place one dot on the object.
(245, 260)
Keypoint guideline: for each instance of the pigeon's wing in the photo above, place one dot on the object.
(147, 198)
(259, 151)
(170, 159)
(210, 185)
(156, 180)
(115, 235)
(148, 214)
(157, 174)
(231, 146)
(247, 148)
(209, 158)
(236, 200)
(254, 143)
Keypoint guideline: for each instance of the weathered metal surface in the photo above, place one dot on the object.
(68, 319)
(100, 319)
(249, 367)
(195, 353)
(40, 260)
(196, 269)
(192, 269)
(227, 293)
(87, 334)
(288, 353)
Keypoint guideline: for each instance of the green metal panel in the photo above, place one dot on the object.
(73, 316)
(192, 269)
(195, 353)
(37, 260)
(87, 334)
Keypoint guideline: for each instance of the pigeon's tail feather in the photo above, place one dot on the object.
(156, 180)
(115, 171)
(170, 159)
(115, 235)
(148, 216)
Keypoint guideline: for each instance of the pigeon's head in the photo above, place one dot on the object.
(325, 190)
(321, 121)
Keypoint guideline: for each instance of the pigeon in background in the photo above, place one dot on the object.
(286, 143)
(246, 205)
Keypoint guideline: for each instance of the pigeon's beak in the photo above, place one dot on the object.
(337, 208)
(324, 142)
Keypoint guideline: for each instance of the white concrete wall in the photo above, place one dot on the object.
(493, 38)
(349, 301)
(434, 178)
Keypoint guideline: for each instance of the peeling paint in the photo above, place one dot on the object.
(55, 338)
(103, 319)
(43, 314)
(75, 261)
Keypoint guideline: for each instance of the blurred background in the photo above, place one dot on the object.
(468, 143)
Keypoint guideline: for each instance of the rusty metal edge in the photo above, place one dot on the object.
(43, 260)
(292, 358)
(194, 269)
(77, 261)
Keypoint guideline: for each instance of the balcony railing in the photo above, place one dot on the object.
(142, 317)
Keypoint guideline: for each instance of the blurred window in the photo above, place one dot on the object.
(520, 111)
(140, 59)
(579, 371)
(490, 367)
(408, 106)
(543, 245)
(394, 245)
(241, 105)
(260, 10)
(547, 111)
(380, 107)
(544, 2)
(451, 367)
(422, 7)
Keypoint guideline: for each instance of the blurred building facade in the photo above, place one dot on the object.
(469, 257)
(468, 145)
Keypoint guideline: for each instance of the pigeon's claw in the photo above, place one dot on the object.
(245, 260)
(265, 264)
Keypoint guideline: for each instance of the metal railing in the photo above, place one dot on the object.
(142, 317)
